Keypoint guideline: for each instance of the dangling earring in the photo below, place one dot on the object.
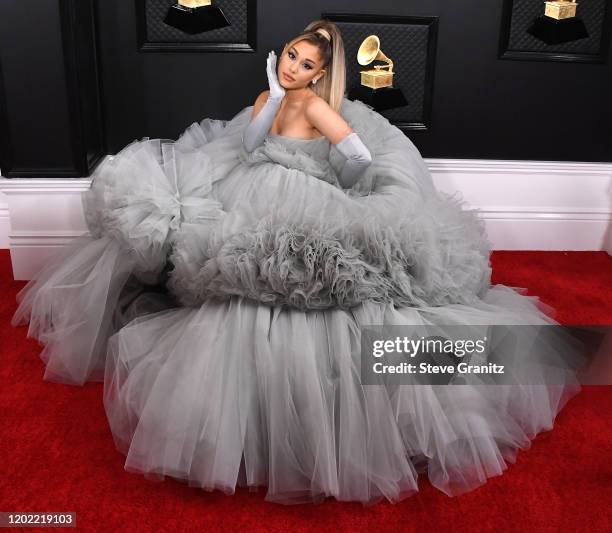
(314, 82)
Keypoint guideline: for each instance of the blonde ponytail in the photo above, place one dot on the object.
(327, 37)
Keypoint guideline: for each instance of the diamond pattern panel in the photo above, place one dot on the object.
(158, 32)
(406, 45)
(592, 13)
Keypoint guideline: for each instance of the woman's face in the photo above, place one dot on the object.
(299, 65)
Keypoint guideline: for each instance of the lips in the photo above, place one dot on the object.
(287, 77)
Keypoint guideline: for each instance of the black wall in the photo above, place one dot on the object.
(51, 109)
(34, 88)
(483, 107)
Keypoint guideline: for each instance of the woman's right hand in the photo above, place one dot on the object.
(264, 111)
(276, 90)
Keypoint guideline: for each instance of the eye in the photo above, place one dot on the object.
(291, 55)
(308, 67)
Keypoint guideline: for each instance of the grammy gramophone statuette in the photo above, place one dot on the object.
(375, 78)
(559, 23)
(195, 16)
(376, 88)
(560, 9)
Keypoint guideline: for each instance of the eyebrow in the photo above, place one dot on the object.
(296, 53)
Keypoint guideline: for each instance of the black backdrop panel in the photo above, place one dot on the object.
(518, 16)
(239, 36)
(481, 107)
(35, 126)
(80, 49)
(410, 43)
(51, 117)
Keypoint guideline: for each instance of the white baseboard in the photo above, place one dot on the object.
(44, 214)
(535, 205)
(526, 205)
(4, 222)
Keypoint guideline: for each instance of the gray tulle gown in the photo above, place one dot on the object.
(220, 295)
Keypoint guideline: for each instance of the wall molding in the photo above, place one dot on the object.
(4, 223)
(534, 205)
(515, 166)
(44, 185)
(526, 205)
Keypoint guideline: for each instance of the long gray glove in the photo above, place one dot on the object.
(257, 130)
(358, 158)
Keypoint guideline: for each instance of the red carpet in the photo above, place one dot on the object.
(57, 453)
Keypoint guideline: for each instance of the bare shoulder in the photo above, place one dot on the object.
(259, 103)
(261, 99)
(316, 104)
(263, 95)
(326, 119)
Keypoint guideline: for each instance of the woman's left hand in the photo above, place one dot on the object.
(276, 91)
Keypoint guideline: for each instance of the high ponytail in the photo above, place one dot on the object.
(332, 86)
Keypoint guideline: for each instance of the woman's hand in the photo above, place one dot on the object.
(264, 111)
(276, 91)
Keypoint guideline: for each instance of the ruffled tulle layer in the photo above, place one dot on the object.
(137, 202)
(87, 293)
(235, 393)
(290, 237)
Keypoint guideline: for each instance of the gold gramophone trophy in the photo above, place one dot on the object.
(561, 9)
(195, 16)
(376, 87)
(375, 78)
(559, 23)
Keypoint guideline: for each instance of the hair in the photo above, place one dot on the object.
(332, 85)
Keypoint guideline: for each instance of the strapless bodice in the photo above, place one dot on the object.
(311, 156)
(317, 148)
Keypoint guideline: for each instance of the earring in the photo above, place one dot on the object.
(314, 82)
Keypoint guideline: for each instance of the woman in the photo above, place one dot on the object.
(299, 110)
(223, 290)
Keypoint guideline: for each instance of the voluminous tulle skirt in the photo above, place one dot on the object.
(221, 297)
